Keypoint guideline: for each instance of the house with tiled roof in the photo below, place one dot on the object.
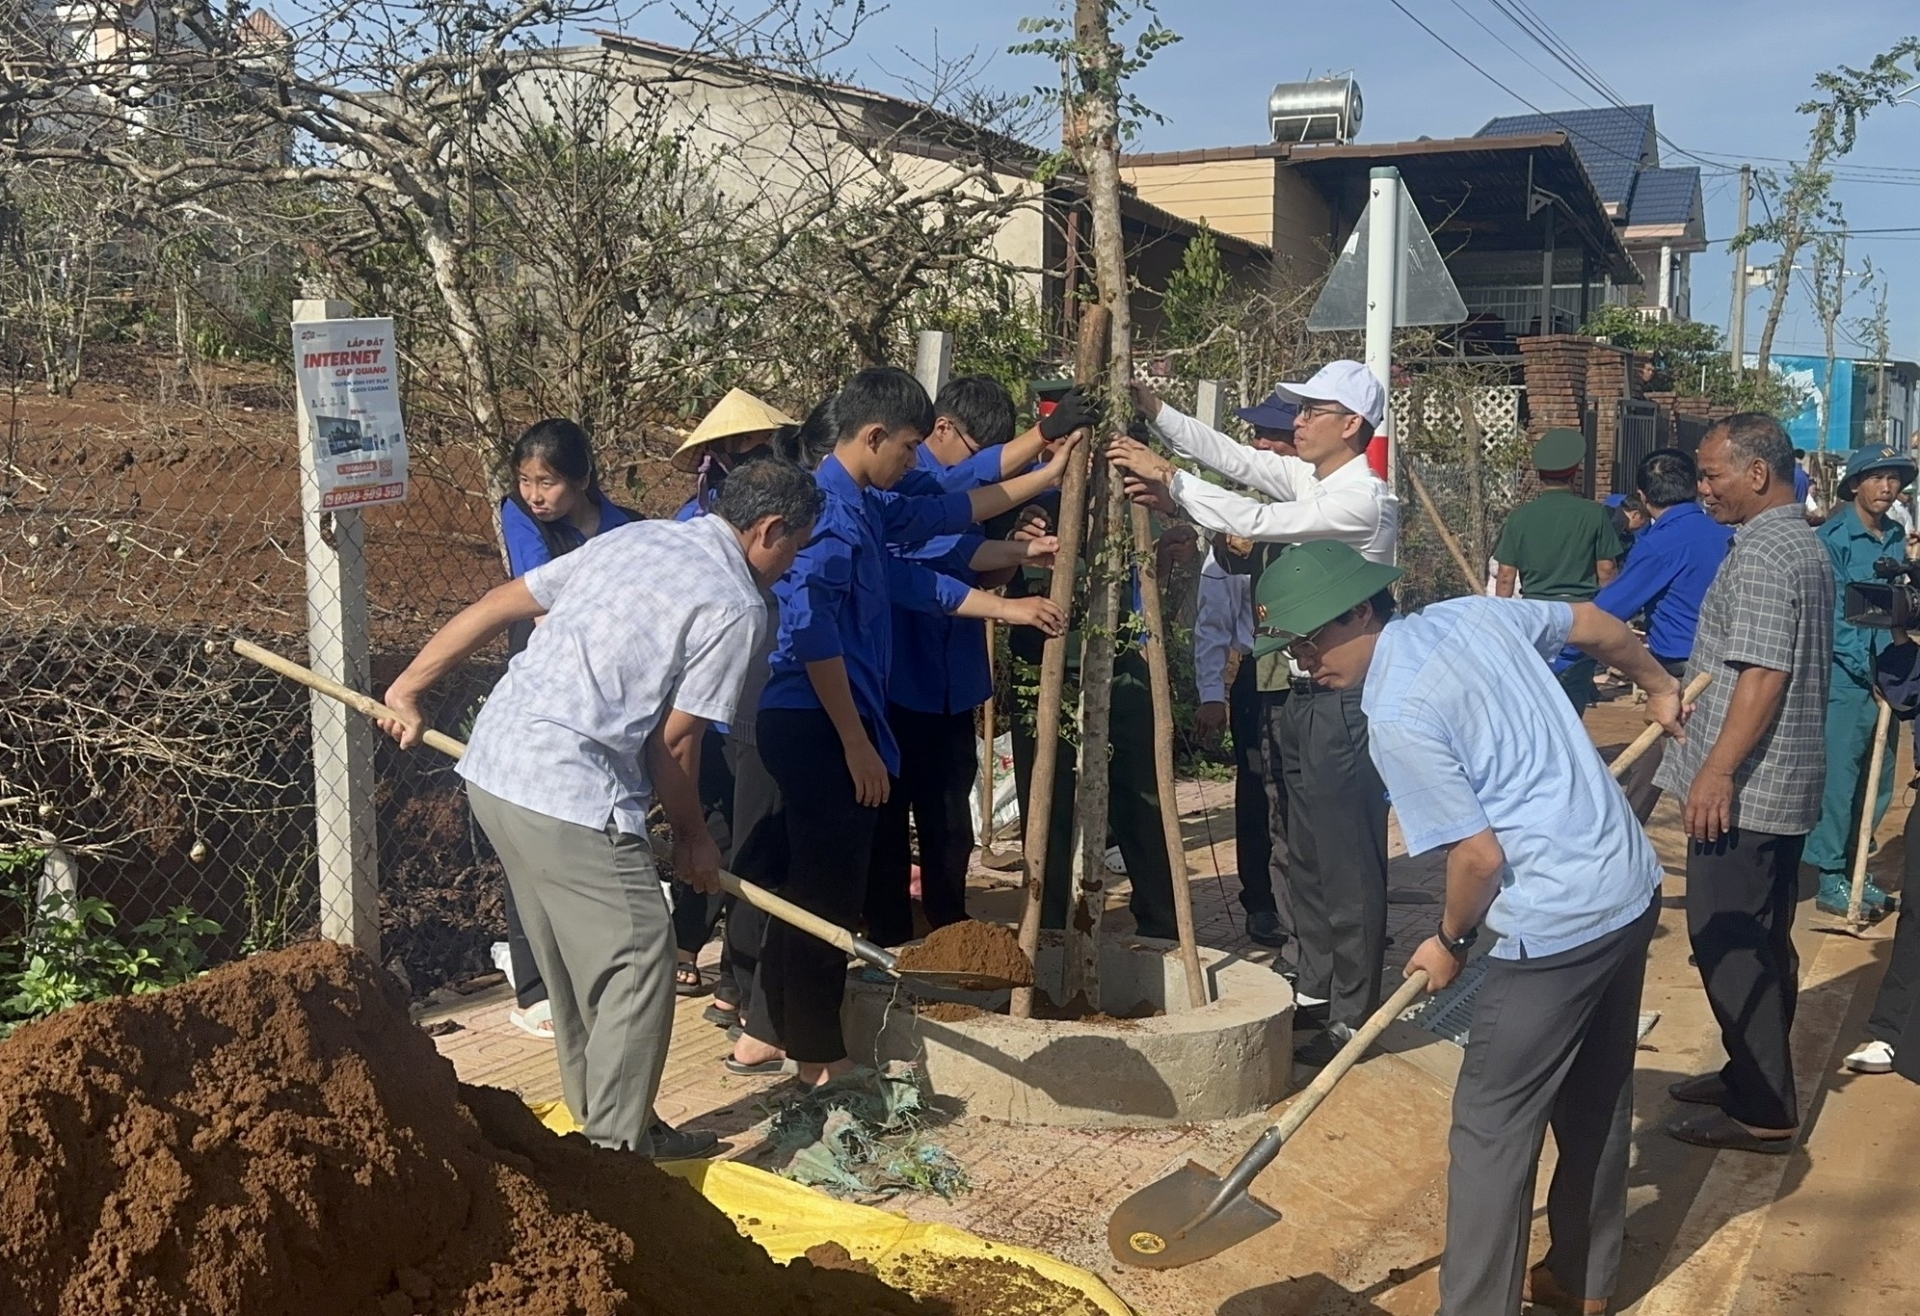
(1657, 210)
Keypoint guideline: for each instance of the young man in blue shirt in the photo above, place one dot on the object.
(940, 672)
(1665, 577)
(1857, 537)
(1484, 758)
(823, 732)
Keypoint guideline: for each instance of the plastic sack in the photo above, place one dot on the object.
(786, 1219)
(1006, 793)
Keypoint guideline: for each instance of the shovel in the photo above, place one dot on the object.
(1193, 1213)
(759, 897)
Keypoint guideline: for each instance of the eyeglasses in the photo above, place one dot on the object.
(1305, 648)
(1308, 413)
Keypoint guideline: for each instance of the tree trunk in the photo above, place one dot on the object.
(1093, 134)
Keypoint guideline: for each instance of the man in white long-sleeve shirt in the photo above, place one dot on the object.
(1336, 802)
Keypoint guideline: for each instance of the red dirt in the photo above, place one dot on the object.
(971, 946)
(277, 1137)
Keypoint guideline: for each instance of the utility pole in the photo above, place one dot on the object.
(1737, 324)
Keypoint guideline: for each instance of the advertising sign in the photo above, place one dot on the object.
(350, 409)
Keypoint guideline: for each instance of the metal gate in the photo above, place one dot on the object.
(1637, 434)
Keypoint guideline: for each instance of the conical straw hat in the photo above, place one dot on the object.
(739, 412)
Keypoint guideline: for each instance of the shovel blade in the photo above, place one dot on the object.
(1145, 1229)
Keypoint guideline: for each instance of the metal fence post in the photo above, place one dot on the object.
(343, 741)
(933, 360)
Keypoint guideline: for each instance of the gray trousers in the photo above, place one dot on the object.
(1336, 848)
(602, 933)
(1552, 1044)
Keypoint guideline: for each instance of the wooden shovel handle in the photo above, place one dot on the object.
(1364, 1036)
(760, 898)
(1627, 757)
(788, 912)
(352, 698)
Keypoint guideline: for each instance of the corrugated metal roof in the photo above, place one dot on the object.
(1612, 143)
(1664, 196)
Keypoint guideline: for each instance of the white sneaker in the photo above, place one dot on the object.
(1873, 1058)
(1116, 863)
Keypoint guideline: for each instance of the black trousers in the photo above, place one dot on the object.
(1577, 681)
(829, 834)
(939, 768)
(695, 915)
(1255, 784)
(529, 989)
(1741, 892)
(1337, 849)
(1133, 809)
(1551, 1046)
(758, 854)
(1893, 1016)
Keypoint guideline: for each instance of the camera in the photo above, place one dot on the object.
(1891, 602)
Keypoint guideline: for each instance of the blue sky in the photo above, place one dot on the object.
(1724, 79)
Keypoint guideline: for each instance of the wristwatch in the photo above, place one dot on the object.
(1458, 946)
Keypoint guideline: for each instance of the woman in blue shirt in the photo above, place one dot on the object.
(556, 506)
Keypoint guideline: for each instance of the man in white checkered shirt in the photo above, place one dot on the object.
(646, 637)
(1750, 771)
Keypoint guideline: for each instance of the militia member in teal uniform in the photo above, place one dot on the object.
(1560, 547)
(1857, 535)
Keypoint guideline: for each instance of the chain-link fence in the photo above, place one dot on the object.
(145, 768)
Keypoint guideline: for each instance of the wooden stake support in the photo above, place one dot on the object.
(1071, 527)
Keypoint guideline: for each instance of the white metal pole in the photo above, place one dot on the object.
(1383, 294)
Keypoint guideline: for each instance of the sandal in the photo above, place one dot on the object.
(777, 1065)
(721, 1017)
(688, 980)
(1720, 1131)
(536, 1020)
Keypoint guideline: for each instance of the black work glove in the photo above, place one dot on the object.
(1072, 412)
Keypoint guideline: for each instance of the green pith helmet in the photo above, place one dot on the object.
(1560, 450)
(1308, 587)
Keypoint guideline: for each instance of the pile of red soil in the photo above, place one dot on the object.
(970, 946)
(277, 1137)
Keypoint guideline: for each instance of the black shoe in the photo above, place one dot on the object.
(671, 1144)
(1263, 928)
(1320, 1052)
(1309, 1016)
(1702, 1090)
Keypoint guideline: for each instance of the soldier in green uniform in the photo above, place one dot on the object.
(1559, 547)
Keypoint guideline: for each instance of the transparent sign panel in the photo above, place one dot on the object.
(1427, 293)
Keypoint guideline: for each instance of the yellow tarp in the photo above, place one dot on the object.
(787, 1218)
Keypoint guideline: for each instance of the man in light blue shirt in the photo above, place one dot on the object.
(1484, 758)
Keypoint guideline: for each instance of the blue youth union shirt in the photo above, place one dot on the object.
(940, 662)
(836, 601)
(1470, 731)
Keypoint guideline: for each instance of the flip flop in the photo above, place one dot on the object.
(689, 981)
(1720, 1131)
(781, 1066)
(720, 1018)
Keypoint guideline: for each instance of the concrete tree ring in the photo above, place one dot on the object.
(1232, 1057)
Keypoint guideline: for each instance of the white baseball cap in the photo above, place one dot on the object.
(1348, 383)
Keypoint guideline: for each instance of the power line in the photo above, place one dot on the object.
(1517, 55)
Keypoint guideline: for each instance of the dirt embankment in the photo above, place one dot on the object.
(277, 1137)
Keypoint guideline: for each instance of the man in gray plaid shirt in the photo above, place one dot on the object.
(1751, 771)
